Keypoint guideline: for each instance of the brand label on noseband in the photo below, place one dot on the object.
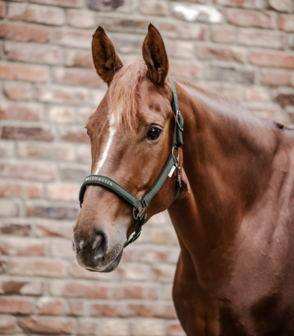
(171, 171)
(105, 181)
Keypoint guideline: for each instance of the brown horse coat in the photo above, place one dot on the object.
(235, 214)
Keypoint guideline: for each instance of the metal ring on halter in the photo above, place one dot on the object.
(178, 153)
(139, 208)
(177, 113)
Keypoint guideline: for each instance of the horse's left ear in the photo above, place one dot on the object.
(155, 56)
(105, 59)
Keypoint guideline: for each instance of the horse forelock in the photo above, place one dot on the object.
(123, 96)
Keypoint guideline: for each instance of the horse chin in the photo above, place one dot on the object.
(110, 267)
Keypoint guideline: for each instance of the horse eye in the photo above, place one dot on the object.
(153, 133)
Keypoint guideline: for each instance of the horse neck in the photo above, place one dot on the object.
(227, 160)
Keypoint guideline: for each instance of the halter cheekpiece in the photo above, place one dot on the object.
(172, 163)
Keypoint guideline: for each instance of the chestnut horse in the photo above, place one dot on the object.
(234, 216)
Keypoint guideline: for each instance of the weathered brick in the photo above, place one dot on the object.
(37, 267)
(153, 7)
(10, 286)
(146, 327)
(28, 171)
(286, 22)
(121, 6)
(181, 49)
(20, 189)
(20, 111)
(60, 94)
(134, 272)
(256, 93)
(50, 228)
(24, 33)
(248, 18)
(76, 271)
(17, 91)
(164, 235)
(3, 266)
(60, 114)
(61, 248)
(139, 291)
(108, 310)
(12, 227)
(73, 38)
(6, 148)
(163, 272)
(47, 325)
(77, 307)
(80, 77)
(97, 95)
(87, 327)
(84, 154)
(231, 74)
(234, 54)
(83, 113)
(50, 306)
(33, 53)
(272, 59)
(160, 310)
(74, 174)
(185, 69)
(260, 38)
(222, 34)
(285, 99)
(158, 255)
(9, 305)
(2, 9)
(79, 58)
(268, 113)
(53, 212)
(175, 329)
(22, 246)
(36, 13)
(74, 134)
(281, 5)
(258, 4)
(116, 327)
(80, 19)
(28, 73)
(9, 208)
(7, 324)
(52, 151)
(61, 3)
(289, 114)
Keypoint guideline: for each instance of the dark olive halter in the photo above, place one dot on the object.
(139, 204)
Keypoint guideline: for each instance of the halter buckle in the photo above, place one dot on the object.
(140, 209)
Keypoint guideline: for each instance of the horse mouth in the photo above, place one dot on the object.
(111, 267)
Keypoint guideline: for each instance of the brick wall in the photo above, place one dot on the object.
(48, 88)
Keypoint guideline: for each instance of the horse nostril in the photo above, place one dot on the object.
(99, 245)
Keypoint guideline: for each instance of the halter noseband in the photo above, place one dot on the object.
(139, 204)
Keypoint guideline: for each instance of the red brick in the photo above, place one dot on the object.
(2, 9)
(20, 111)
(47, 325)
(220, 53)
(28, 171)
(268, 39)
(181, 49)
(73, 38)
(7, 324)
(83, 113)
(50, 228)
(11, 227)
(165, 235)
(35, 13)
(139, 292)
(61, 3)
(272, 59)
(80, 19)
(17, 91)
(185, 69)
(22, 246)
(84, 154)
(181, 31)
(77, 307)
(51, 211)
(175, 329)
(62, 192)
(50, 306)
(115, 327)
(87, 327)
(257, 94)
(59, 94)
(160, 310)
(281, 5)
(9, 305)
(33, 53)
(6, 148)
(247, 18)
(61, 114)
(285, 99)
(83, 289)
(74, 135)
(107, 310)
(154, 7)
(79, 58)
(158, 255)
(10, 286)
(221, 34)
(61, 248)
(77, 77)
(286, 22)
(37, 267)
(26, 133)
(3, 266)
(52, 151)
(28, 73)
(268, 113)
(258, 4)
(24, 33)
(9, 208)
(20, 189)
(134, 272)
(164, 272)
(76, 271)
(150, 326)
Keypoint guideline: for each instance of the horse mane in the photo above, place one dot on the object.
(123, 95)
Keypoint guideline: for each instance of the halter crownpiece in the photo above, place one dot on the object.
(139, 204)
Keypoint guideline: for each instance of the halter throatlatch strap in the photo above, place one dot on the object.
(139, 204)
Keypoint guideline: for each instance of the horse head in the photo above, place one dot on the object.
(131, 134)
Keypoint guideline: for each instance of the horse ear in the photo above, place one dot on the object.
(105, 59)
(155, 56)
